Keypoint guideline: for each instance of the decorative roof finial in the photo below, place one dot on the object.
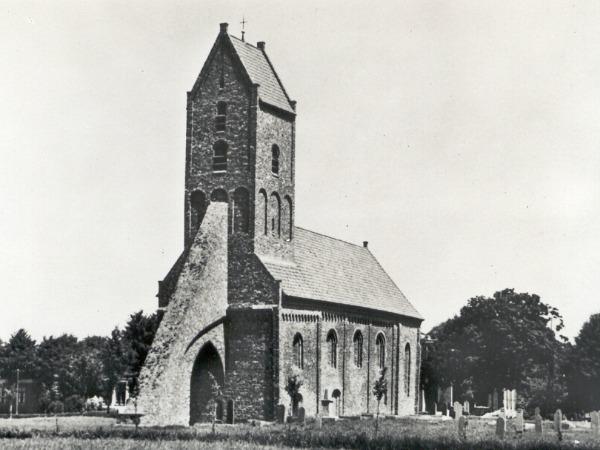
(243, 23)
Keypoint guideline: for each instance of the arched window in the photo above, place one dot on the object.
(275, 159)
(198, 208)
(275, 214)
(286, 221)
(263, 206)
(380, 345)
(241, 215)
(220, 156)
(219, 195)
(221, 117)
(298, 351)
(332, 346)
(358, 348)
(407, 370)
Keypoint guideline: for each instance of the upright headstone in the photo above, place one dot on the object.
(513, 397)
(280, 412)
(230, 416)
(537, 411)
(495, 400)
(505, 399)
(423, 404)
(301, 414)
(490, 401)
(462, 427)
(466, 407)
(318, 422)
(595, 419)
(435, 408)
(458, 410)
(539, 424)
(519, 422)
(558, 423)
(500, 427)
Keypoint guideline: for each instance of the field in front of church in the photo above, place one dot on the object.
(103, 433)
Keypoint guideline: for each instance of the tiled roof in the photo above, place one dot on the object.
(331, 270)
(261, 72)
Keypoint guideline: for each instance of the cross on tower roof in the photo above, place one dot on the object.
(243, 23)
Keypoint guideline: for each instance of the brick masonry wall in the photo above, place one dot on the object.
(202, 134)
(354, 383)
(199, 299)
(250, 365)
(274, 129)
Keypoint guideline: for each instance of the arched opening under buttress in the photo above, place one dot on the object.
(206, 383)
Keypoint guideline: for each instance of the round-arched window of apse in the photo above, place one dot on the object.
(358, 348)
(380, 345)
(332, 347)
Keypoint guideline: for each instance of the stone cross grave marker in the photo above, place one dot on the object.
(595, 416)
(462, 427)
(500, 427)
(457, 410)
(280, 412)
(558, 423)
(519, 422)
(466, 407)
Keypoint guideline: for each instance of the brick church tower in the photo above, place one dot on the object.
(253, 297)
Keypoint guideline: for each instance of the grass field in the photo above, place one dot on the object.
(407, 433)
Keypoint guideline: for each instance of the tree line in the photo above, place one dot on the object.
(70, 370)
(512, 341)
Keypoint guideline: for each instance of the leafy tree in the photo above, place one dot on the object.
(583, 368)
(379, 391)
(114, 361)
(19, 353)
(137, 340)
(292, 387)
(57, 356)
(507, 341)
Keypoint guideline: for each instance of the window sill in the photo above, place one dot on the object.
(219, 172)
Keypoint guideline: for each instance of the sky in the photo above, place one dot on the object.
(459, 138)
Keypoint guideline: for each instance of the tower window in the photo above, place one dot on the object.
(275, 214)
(221, 118)
(332, 344)
(220, 156)
(275, 159)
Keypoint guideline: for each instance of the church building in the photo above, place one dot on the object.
(254, 299)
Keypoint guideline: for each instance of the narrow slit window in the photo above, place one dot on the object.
(221, 118)
(275, 159)
(220, 156)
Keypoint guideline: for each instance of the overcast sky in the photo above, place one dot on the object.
(461, 139)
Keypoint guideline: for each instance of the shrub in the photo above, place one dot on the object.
(74, 403)
(56, 407)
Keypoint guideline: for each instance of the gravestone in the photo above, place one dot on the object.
(466, 407)
(435, 408)
(558, 423)
(229, 416)
(539, 424)
(219, 411)
(318, 422)
(519, 422)
(495, 400)
(301, 414)
(595, 419)
(490, 401)
(458, 410)
(462, 427)
(513, 397)
(500, 427)
(280, 413)
(537, 411)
